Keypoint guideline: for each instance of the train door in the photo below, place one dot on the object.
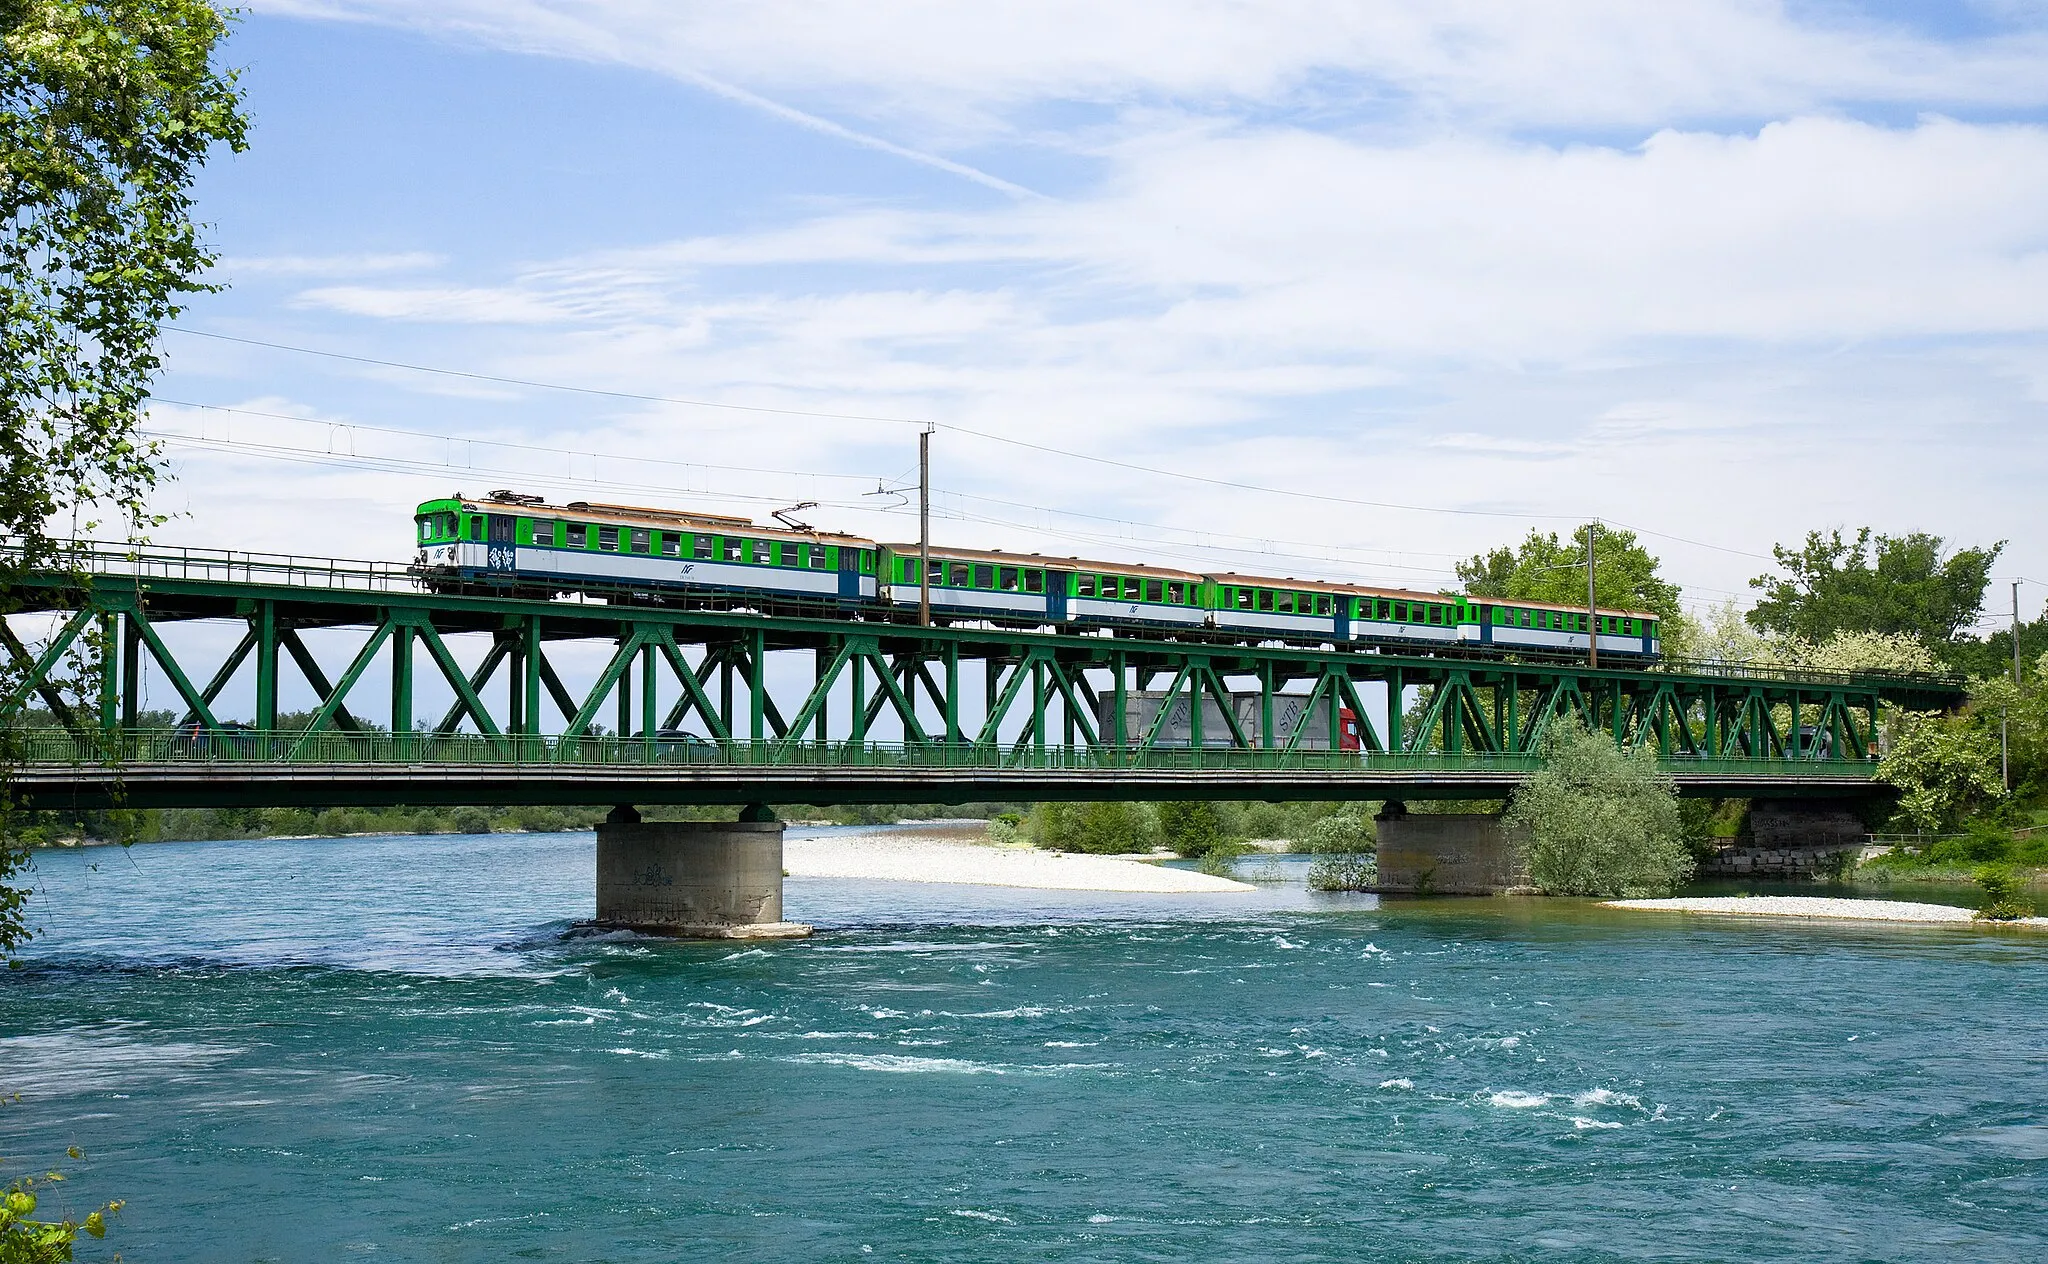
(502, 540)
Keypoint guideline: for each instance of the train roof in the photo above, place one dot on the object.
(639, 515)
(1520, 604)
(1316, 585)
(1045, 562)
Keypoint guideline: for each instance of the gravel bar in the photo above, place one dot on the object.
(1816, 906)
(910, 858)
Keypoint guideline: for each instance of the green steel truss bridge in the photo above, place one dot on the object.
(429, 699)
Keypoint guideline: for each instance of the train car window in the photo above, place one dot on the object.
(763, 550)
(671, 544)
(1034, 581)
(641, 540)
(1323, 604)
(1400, 612)
(1155, 590)
(818, 557)
(1284, 602)
(608, 539)
(1436, 615)
(1084, 585)
(908, 570)
(1265, 599)
(960, 575)
(984, 577)
(578, 535)
(1176, 593)
(1006, 578)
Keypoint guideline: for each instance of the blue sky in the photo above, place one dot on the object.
(1725, 272)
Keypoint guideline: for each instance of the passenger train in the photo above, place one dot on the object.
(516, 542)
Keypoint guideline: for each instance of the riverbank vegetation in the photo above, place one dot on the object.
(1190, 829)
(1598, 820)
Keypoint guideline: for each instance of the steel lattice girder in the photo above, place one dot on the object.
(1044, 691)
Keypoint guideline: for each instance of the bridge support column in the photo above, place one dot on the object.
(693, 879)
(1463, 853)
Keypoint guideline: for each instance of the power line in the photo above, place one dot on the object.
(1136, 467)
(501, 443)
(399, 464)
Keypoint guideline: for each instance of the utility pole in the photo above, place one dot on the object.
(1592, 607)
(924, 527)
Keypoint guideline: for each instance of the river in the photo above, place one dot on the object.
(400, 1048)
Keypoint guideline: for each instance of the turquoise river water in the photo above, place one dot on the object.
(400, 1048)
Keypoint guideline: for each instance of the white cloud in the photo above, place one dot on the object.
(1728, 335)
(966, 68)
(1259, 251)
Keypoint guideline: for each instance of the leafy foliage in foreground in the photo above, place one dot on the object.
(26, 1240)
(108, 108)
(1598, 820)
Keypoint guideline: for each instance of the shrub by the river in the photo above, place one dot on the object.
(1192, 829)
(2005, 894)
(1598, 820)
(1091, 827)
(1346, 854)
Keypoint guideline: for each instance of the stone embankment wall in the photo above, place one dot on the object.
(1792, 839)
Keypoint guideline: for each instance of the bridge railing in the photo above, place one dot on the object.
(230, 566)
(1818, 676)
(307, 571)
(249, 748)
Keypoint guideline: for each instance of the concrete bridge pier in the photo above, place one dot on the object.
(1459, 853)
(693, 879)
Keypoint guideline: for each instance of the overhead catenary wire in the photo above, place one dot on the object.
(1363, 571)
(952, 427)
(1264, 546)
(928, 423)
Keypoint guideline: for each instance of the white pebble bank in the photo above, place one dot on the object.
(905, 858)
(1832, 907)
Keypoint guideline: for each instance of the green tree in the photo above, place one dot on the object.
(1945, 767)
(1091, 827)
(1544, 568)
(1191, 828)
(1910, 584)
(1346, 854)
(1599, 821)
(108, 108)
